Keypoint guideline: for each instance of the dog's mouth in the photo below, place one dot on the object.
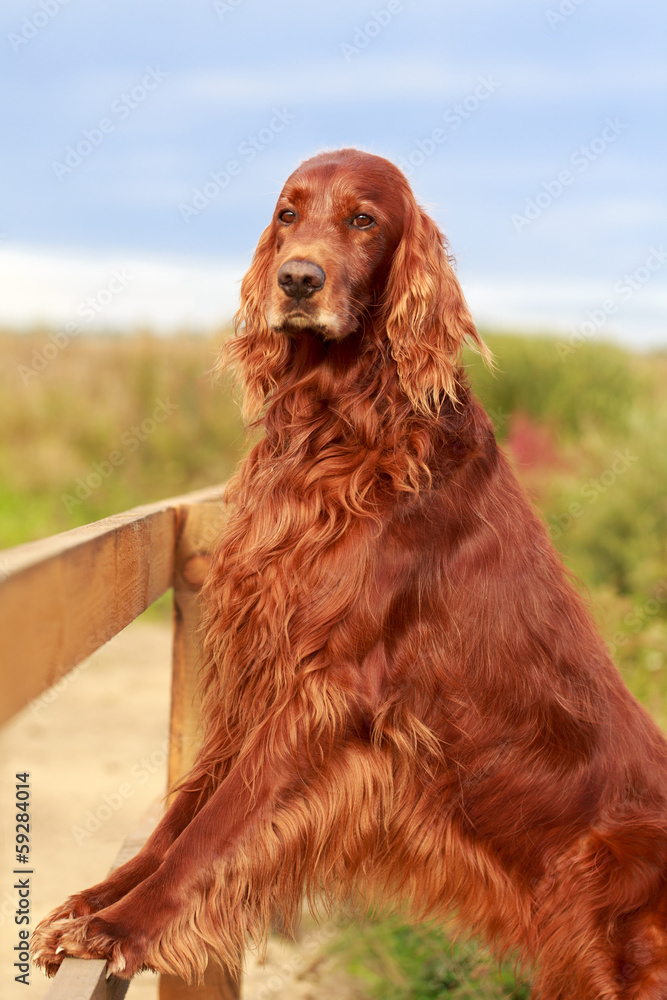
(298, 317)
(298, 320)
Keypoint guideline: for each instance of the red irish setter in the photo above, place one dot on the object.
(405, 699)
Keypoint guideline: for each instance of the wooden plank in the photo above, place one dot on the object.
(86, 978)
(55, 613)
(63, 597)
(198, 529)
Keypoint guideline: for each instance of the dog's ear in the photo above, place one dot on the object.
(256, 352)
(426, 316)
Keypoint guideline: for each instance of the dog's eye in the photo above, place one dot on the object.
(363, 221)
(287, 216)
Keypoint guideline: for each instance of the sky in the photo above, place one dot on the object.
(145, 142)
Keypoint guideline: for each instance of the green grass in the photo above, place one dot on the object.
(110, 423)
(393, 960)
(597, 386)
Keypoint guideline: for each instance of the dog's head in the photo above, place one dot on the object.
(348, 249)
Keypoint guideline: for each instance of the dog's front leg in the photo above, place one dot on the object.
(175, 872)
(192, 795)
(276, 825)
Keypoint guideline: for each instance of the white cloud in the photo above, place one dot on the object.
(168, 294)
(564, 305)
(127, 290)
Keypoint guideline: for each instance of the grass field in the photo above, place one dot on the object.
(101, 424)
(110, 422)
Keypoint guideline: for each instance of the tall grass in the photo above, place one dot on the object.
(80, 440)
(393, 960)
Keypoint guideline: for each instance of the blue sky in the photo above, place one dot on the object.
(546, 168)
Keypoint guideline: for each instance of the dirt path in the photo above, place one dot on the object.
(96, 754)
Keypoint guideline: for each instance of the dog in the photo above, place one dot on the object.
(405, 699)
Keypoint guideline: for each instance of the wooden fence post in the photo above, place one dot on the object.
(197, 529)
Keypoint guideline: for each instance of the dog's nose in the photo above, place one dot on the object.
(300, 278)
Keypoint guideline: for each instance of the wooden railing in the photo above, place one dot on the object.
(62, 598)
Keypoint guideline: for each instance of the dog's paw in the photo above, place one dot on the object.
(44, 942)
(87, 936)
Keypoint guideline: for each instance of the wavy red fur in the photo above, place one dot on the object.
(405, 699)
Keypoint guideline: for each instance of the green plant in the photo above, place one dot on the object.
(399, 961)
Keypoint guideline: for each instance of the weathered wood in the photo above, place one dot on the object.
(198, 528)
(218, 985)
(86, 978)
(63, 597)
